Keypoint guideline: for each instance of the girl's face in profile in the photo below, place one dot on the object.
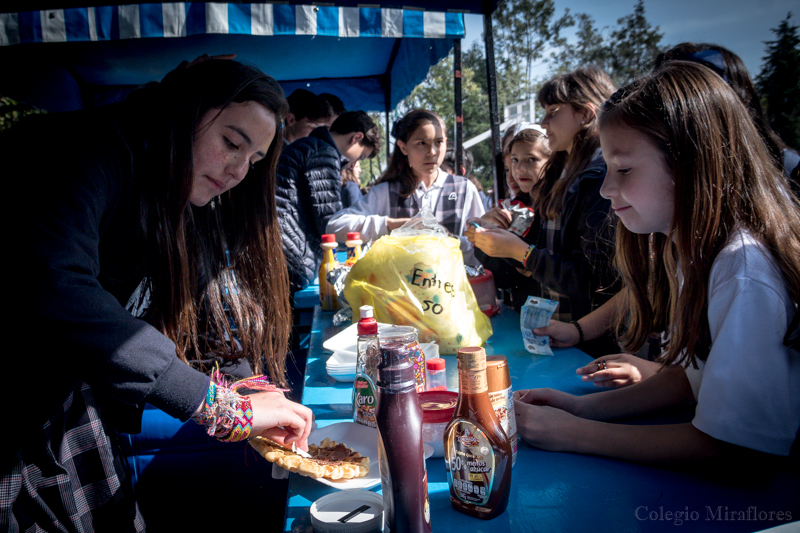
(639, 183)
(527, 162)
(562, 122)
(226, 145)
(425, 150)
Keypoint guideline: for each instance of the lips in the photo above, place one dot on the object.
(619, 210)
(214, 183)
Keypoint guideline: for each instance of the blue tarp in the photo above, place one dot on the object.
(371, 57)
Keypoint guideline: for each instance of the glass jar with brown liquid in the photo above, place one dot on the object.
(477, 451)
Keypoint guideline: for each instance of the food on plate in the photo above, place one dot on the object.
(329, 459)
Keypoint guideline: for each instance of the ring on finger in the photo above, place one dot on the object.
(601, 365)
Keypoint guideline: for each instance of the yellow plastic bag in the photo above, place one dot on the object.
(419, 280)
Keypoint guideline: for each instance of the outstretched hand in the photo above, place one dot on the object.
(618, 370)
(281, 420)
(562, 334)
(543, 419)
(496, 242)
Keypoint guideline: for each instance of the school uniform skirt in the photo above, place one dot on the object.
(72, 478)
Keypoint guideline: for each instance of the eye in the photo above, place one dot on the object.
(624, 171)
(230, 144)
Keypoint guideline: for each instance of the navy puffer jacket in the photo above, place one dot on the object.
(308, 194)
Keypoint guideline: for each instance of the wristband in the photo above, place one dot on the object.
(528, 253)
(580, 330)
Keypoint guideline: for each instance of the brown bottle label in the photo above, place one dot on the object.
(472, 382)
(470, 463)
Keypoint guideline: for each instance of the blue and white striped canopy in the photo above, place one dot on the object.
(181, 19)
(371, 57)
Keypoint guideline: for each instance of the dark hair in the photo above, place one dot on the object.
(358, 121)
(724, 179)
(336, 103)
(402, 130)
(450, 159)
(536, 138)
(581, 88)
(735, 73)
(305, 104)
(226, 255)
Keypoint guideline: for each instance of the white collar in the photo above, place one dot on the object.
(437, 184)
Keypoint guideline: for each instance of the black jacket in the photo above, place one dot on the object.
(308, 195)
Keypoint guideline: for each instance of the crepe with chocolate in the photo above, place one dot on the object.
(330, 459)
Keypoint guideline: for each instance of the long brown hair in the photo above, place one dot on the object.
(582, 88)
(398, 169)
(217, 274)
(725, 179)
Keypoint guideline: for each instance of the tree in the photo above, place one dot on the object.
(779, 82)
(628, 52)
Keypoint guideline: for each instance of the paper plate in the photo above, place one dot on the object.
(362, 439)
(346, 341)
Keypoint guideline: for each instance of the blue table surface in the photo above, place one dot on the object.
(559, 491)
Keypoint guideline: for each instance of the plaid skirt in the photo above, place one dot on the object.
(73, 478)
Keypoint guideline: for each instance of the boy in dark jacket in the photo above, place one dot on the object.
(309, 183)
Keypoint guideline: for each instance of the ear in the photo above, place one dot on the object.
(355, 138)
(290, 120)
(589, 113)
(403, 147)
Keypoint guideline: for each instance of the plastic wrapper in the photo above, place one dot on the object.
(416, 277)
(522, 216)
(536, 313)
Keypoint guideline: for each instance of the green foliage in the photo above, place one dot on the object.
(779, 82)
(12, 111)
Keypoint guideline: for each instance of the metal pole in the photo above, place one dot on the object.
(458, 126)
(494, 121)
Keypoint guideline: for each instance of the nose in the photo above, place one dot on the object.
(609, 188)
(238, 167)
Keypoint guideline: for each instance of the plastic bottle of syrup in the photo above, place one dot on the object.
(327, 295)
(477, 452)
(365, 394)
(498, 379)
(404, 478)
(353, 243)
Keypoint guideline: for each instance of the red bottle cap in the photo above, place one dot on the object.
(353, 236)
(367, 325)
(329, 237)
(437, 363)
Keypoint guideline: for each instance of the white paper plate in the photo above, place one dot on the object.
(341, 367)
(346, 341)
(362, 439)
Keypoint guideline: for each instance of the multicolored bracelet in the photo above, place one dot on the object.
(528, 253)
(227, 415)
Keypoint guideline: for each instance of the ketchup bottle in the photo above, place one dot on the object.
(404, 478)
(477, 451)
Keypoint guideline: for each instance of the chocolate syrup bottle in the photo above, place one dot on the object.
(477, 451)
(404, 478)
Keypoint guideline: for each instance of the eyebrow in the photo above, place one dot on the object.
(246, 138)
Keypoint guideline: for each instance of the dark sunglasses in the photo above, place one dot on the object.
(711, 59)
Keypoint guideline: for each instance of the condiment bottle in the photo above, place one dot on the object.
(328, 300)
(437, 374)
(407, 336)
(365, 397)
(500, 394)
(477, 452)
(404, 478)
(353, 243)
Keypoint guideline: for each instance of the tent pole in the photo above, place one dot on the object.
(458, 125)
(494, 122)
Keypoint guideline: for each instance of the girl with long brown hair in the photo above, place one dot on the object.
(569, 254)
(412, 180)
(709, 252)
(151, 241)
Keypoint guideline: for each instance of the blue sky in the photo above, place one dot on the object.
(742, 26)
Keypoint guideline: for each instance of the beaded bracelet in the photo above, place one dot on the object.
(580, 330)
(528, 253)
(227, 415)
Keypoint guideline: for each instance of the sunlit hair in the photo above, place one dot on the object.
(227, 255)
(398, 169)
(581, 88)
(724, 179)
(735, 73)
(538, 140)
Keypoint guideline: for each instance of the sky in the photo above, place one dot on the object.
(742, 26)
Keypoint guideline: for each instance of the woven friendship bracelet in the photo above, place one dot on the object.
(528, 253)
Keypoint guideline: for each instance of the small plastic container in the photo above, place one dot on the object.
(485, 293)
(436, 379)
(348, 511)
(437, 410)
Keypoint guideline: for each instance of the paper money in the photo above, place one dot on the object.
(536, 313)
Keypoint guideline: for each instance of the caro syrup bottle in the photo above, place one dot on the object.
(404, 478)
(477, 452)
(365, 394)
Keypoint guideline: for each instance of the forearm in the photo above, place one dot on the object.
(669, 388)
(599, 321)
